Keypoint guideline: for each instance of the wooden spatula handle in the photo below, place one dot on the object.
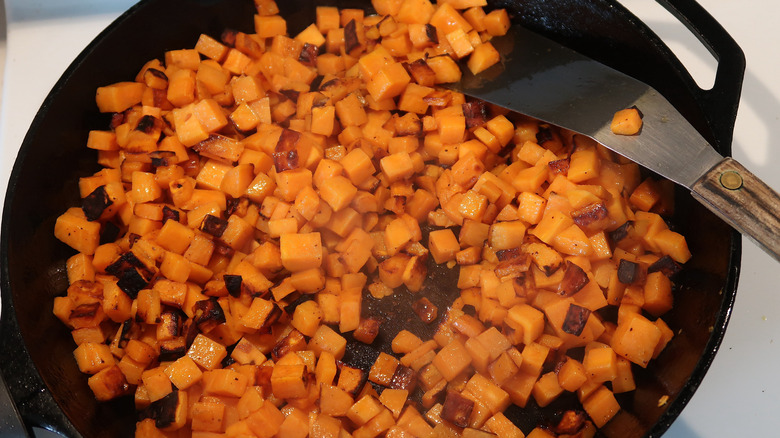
(744, 201)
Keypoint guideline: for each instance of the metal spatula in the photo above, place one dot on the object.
(557, 85)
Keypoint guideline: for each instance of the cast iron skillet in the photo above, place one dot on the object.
(37, 349)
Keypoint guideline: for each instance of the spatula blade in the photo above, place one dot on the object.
(550, 82)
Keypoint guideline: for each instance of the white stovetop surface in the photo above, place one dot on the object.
(740, 395)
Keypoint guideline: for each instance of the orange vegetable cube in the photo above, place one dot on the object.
(388, 82)
(452, 360)
(546, 389)
(483, 57)
(572, 375)
(270, 26)
(118, 97)
(301, 251)
(635, 339)
(92, 358)
(443, 245)
(73, 229)
(497, 22)
(206, 352)
(506, 235)
(626, 122)
(398, 166)
(601, 406)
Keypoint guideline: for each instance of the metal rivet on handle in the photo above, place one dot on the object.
(731, 180)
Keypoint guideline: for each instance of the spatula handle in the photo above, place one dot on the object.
(744, 201)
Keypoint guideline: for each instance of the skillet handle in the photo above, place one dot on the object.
(720, 103)
(744, 201)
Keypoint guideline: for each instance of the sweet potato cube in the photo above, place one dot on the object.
(601, 406)
(207, 416)
(383, 369)
(534, 356)
(673, 244)
(245, 352)
(572, 375)
(367, 330)
(657, 294)
(108, 383)
(338, 192)
(350, 111)
(600, 363)
(389, 82)
(488, 393)
(289, 381)
(405, 341)
(394, 400)
(270, 26)
(546, 389)
(446, 19)
(357, 166)
(497, 22)
(335, 401)
(483, 57)
(528, 319)
(398, 166)
(157, 383)
(506, 235)
(118, 97)
(635, 339)
(364, 409)
(351, 379)
(92, 358)
(301, 251)
(626, 122)
(224, 382)
(452, 360)
(326, 339)
(266, 421)
(184, 372)
(503, 427)
(445, 69)
(457, 409)
(584, 164)
(327, 18)
(206, 352)
(73, 229)
(307, 317)
(443, 245)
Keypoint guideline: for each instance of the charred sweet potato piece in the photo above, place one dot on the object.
(475, 113)
(589, 214)
(213, 225)
(425, 310)
(628, 271)
(571, 422)
(294, 341)
(576, 318)
(95, 203)
(457, 409)
(367, 330)
(208, 314)
(169, 412)
(404, 378)
(620, 232)
(559, 166)
(233, 284)
(574, 279)
(665, 264)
